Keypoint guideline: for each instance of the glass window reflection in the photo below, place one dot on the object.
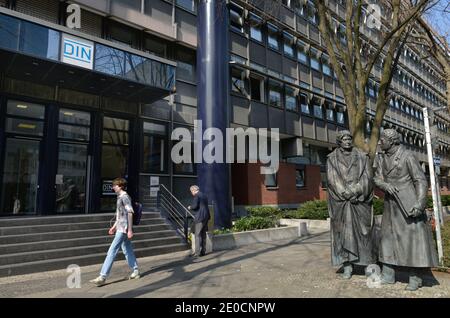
(109, 60)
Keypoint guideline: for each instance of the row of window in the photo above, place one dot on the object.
(408, 80)
(413, 58)
(278, 94)
(145, 5)
(407, 108)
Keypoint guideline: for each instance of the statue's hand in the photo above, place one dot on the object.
(347, 194)
(391, 189)
(416, 212)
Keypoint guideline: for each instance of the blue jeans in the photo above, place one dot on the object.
(119, 239)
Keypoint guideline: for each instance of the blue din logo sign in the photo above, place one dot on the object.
(77, 51)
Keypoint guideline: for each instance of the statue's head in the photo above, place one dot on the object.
(344, 139)
(389, 137)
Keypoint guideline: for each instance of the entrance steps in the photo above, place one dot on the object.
(35, 244)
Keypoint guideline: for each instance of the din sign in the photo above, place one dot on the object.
(77, 51)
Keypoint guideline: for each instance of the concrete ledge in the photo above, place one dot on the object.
(234, 240)
(310, 224)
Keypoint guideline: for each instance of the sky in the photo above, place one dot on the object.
(439, 18)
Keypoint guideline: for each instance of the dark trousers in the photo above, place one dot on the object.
(200, 237)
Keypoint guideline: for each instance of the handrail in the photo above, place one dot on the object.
(176, 213)
(174, 197)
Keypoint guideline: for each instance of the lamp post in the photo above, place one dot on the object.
(433, 184)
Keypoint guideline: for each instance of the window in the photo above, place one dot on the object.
(304, 104)
(185, 167)
(315, 64)
(340, 117)
(330, 110)
(255, 27)
(123, 34)
(186, 59)
(155, 45)
(155, 147)
(9, 32)
(37, 40)
(317, 107)
(287, 3)
(25, 118)
(312, 13)
(127, 4)
(371, 89)
(300, 177)
(272, 38)
(257, 88)
(237, 81)
(109, 60)
(326, 65)
(288, 47)
(396, 102)
(236, 20)
(270, 180)
(302, 53)
(187, 4)
(74, 125)
(290, 101)
(275, 89)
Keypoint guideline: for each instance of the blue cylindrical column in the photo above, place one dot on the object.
(213, 95)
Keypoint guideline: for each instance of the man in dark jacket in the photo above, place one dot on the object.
(406, 237)
(201, 218)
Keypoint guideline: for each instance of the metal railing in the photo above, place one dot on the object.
(175, 212)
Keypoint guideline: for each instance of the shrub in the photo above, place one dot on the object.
(378, 206)
(250, 223)
(264, 211)
(316, 210)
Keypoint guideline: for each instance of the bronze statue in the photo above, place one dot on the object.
(350, 193)
(406, 238)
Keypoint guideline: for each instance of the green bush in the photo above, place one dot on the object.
(378, 206)
(264, 211)
(250, 223)
(315, 210)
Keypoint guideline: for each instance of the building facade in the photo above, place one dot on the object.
(80, 107)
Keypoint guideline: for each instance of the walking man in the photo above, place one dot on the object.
(201, 218)
(123, 229)
(350, 205)
(406, 238)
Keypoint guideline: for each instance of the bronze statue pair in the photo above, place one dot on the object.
(405, 236)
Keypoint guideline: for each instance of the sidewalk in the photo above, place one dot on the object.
(299, 268)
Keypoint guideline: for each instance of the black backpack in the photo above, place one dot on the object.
(137, 208)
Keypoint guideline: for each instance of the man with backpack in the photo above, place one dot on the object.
(123, 230)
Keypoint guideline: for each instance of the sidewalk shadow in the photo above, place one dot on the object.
(180, 275)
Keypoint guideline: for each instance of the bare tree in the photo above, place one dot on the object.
(353, 54)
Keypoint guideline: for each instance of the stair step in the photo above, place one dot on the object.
(74, 242)
(91, 259)
(18, 258)
(35, 237)
(61, 219)
(30, 229)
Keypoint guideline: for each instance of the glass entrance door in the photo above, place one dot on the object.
(115, 158)
(20, 176)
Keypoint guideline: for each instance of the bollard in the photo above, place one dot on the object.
(302, 229)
